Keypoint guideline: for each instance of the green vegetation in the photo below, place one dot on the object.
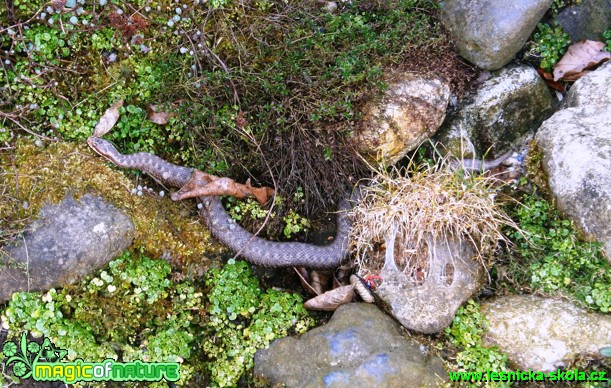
(40, 175)
(550, 44)
(243, 319)
(251, 214)
(131, 309)
(607, 36)
(134, 310)
(559, 5)
(466, 334)
(294, 224)
(250, 84)
(556, 260)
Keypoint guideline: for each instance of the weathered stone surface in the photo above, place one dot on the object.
(429, 306)
(588, 20)
(543, 334)
(576, 144)
(591, 89)
(488, 33)
(360, 346)
(67, 242)
(576, 147)
(411, 110)
(511, 104)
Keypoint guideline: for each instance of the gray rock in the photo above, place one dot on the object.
(410, 111)
(543, 334)
(591, 89)
(588, 20)
(488, 33)
(429, 306)
(66, 243)
(360, 346)
(511, 104)
(576, 147)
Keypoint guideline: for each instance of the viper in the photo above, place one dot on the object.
(252, 248)
(249, 246)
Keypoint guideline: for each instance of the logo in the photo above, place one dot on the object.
(43, 362)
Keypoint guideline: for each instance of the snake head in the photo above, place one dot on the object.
(102, 147)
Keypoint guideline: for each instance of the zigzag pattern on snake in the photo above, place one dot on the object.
(252, 248)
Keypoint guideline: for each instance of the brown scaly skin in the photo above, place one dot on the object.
(252, 248)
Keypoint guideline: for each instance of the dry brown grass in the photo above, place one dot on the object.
(433, 202)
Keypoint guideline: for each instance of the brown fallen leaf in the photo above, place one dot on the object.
(331, 300)
(321, 281)
(108, 120)
(203, 184)
(304, 279)
(579, 57)
(576, 76)
(548, 78)
(154, 115)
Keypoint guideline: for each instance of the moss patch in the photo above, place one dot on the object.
(35, 176)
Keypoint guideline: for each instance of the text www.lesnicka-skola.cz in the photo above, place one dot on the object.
(558, 375)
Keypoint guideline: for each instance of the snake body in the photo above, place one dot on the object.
(256, 250)
(252, 248)
(479, 165)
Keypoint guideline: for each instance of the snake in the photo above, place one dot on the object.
(255, 249)
(252, 248)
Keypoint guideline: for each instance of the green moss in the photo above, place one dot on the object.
(47, 175)
(242, 87)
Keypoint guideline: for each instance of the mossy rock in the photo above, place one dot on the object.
(36, 175)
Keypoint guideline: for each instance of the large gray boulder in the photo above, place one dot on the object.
(576, 147)
(410, 111)
(511, 104)
(360, 346)
(488, 33)
(587, 20)
(67, 242)
(544, 334)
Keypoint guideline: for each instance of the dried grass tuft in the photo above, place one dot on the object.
(433, 202)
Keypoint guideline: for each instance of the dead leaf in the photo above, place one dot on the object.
(548, 78)
(579, 57)
(331, 300)
(108, 120)
(153, 115)
(203, 184)
(321, 281)
(304, 279)
(576, 76)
